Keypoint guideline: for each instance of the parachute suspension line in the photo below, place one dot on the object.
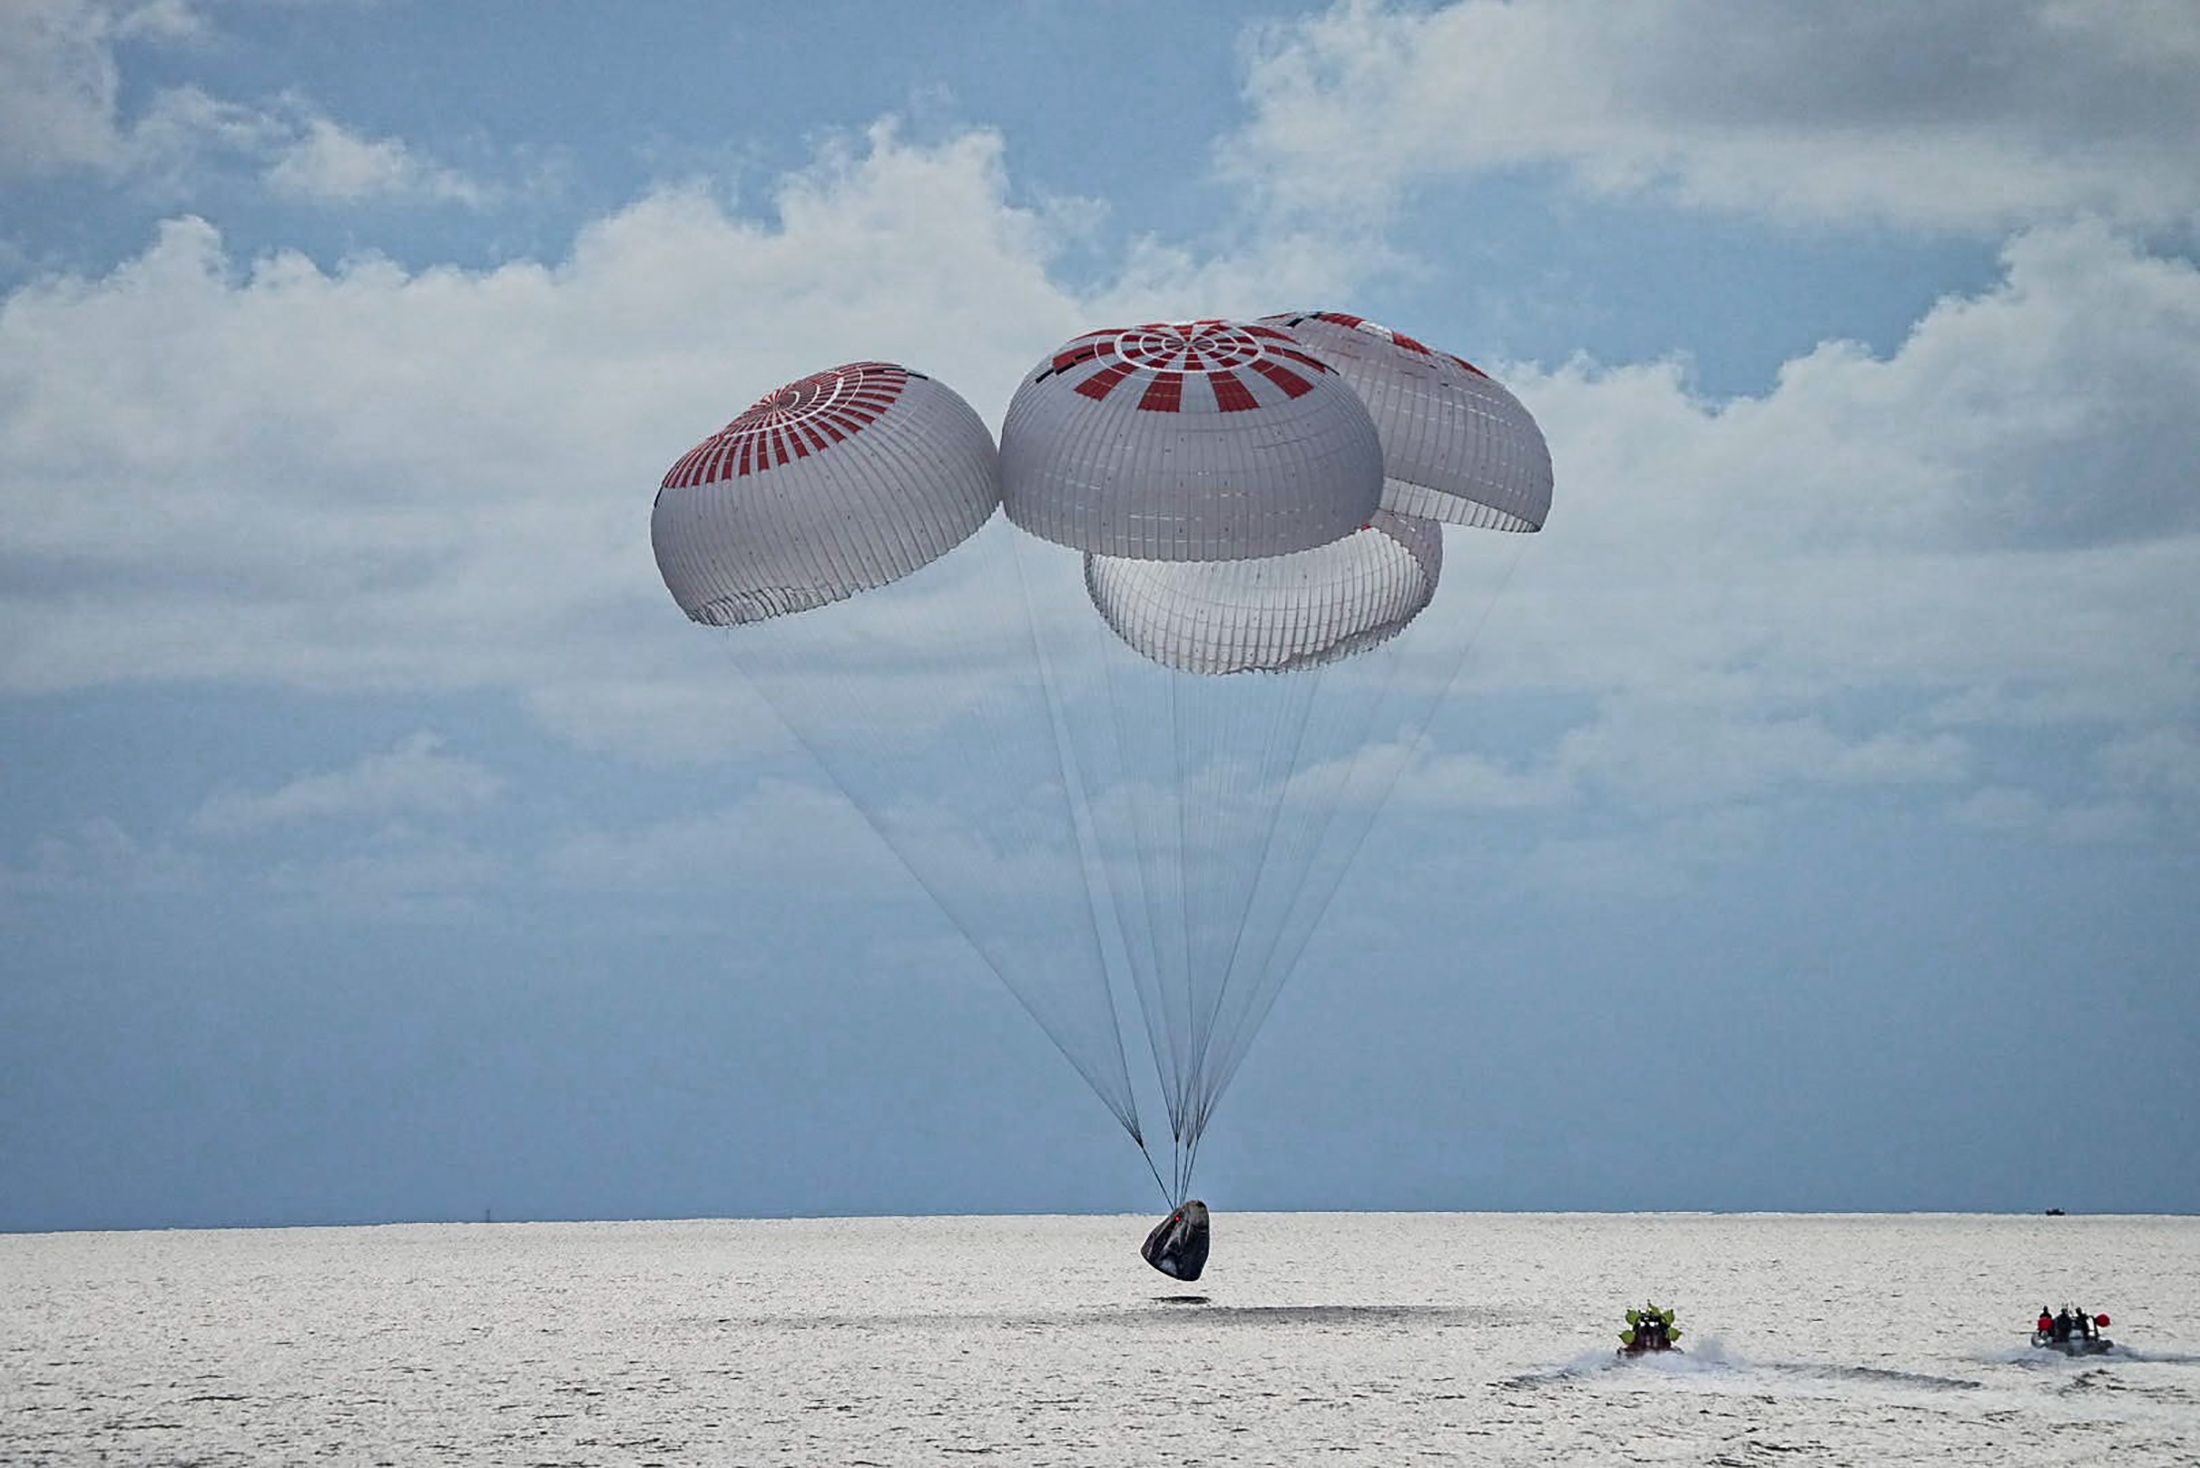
(1306, 844)
(1252, 870)
(1136, 798)
(1194, 741)
(1007, 740)
(885, 838)
(1282, 704)
(1184, 1172)
(1418, 721)
(998, 717)
(1069, 997)
(1182, 882)
(1227, 912)
(1238, 725)
(1343, 698)
(1324, 729)
(1076, 811)
(1168, 1199)
(1119, 731)
(1419, 725)
(925, 883)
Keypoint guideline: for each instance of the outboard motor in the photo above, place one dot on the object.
(1178, 1244)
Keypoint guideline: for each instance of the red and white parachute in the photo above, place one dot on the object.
(1129, 733)
(1457, 447)
(840, 483)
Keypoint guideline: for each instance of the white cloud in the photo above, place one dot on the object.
(396, 873)
(1967, 114)
(369, 479)
(2007, 810)
(99, 855)
(2161, 762)
(1474, 782)
(299, 154)
(326, 163)
(1649, 752)
(163, 20)
(804, 842)
(688, 713)
(60, 86)
(780, 835)
(1855, 577)
(414, 778)
(1659, 753)
(182, 126)
(1668, 857)
(2005, 502)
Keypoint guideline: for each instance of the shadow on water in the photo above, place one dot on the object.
(1882, 1374)
(1213, 1314)
(1159, 1310)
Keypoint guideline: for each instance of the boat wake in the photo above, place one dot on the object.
(1588, 1364)
(1700, 1357)
(1211, 1313)
(1708, 1362)
(2152, 1358)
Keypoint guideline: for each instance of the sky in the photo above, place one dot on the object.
(1814, 825)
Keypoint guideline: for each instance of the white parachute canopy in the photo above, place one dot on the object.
(835, 530)
(1457, 447)
(1223, 485)
(1275, 613)
(844, 481)
(1131, 734)
(1205, 441)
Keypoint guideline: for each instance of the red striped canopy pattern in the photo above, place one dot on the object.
(1188, 441)
(1457, 446)
(837, 483)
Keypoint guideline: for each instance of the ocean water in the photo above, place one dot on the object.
(1314, 1338)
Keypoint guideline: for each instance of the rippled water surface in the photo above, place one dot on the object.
(1314, 1338)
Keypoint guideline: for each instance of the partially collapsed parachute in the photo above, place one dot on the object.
(1273, 613)
(1131, 734)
